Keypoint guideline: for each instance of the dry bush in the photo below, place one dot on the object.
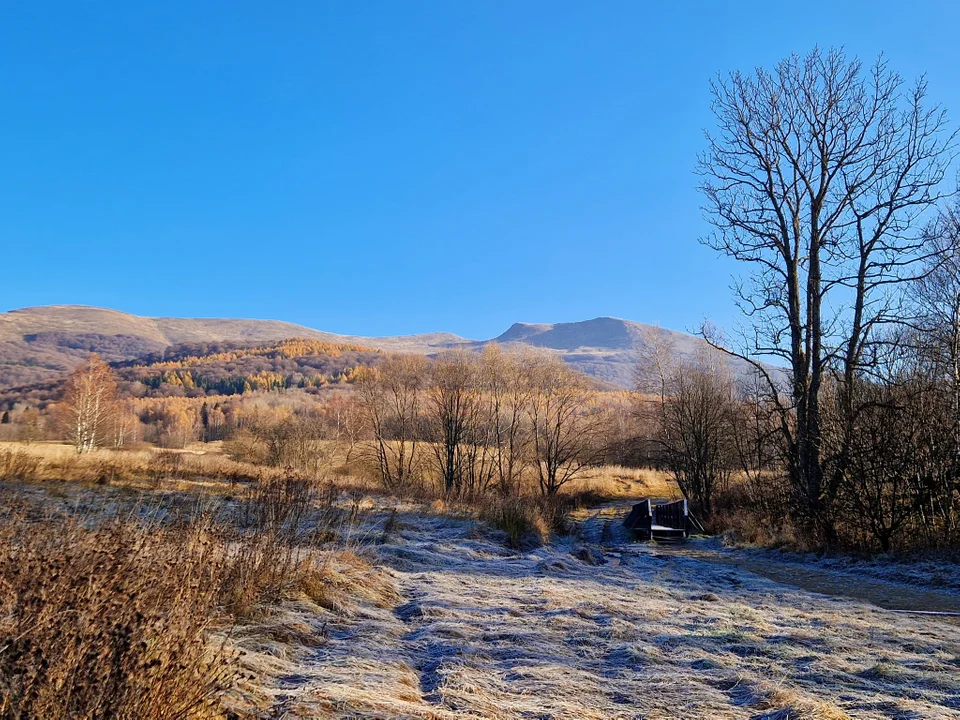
(755, 510)
(19, 465)
(278, 505)
(166, 463)
(528, 520)
(520, 518)
(108, 622)
(245, 447)
(283, 520)
(263, 568)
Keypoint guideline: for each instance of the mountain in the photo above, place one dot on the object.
(41, 344)
(607, 348)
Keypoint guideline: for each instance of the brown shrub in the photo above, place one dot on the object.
(526, 520)
(109, 622)
(263, 568)
(278, 505)
(18, 465)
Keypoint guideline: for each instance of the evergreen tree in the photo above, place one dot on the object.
(205, 421)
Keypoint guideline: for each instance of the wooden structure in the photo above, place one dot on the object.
(667, 521)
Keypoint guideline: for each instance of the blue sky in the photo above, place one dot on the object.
(391, 167)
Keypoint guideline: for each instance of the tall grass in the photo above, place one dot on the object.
(109, 622)
(113, 618)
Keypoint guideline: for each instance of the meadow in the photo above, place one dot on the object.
(187, 584)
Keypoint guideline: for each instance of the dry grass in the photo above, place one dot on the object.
(526, 521)
(136, 611)
(110, 622)
(347, 604)
(613, 482)
(486, 633)
(200, 467)
(143, 467)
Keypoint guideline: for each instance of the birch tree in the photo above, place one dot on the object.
(89, 401)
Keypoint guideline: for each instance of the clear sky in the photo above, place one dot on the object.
(391, 167)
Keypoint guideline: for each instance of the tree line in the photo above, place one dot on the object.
(478, 423)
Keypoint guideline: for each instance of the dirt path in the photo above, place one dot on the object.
(883, 594)
(603, 525)
(483, 632)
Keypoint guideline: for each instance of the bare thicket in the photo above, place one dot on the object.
(481, 423)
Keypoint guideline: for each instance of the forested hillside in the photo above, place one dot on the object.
(222, 368)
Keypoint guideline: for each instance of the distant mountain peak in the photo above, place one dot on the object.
(606, 333)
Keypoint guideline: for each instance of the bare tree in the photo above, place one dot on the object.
(816, 177)
(453, 406)
(89, 398)
(506, 382)
(391, 396)
(694, 409)
(124, 424)
(562, 425)
(345, 422)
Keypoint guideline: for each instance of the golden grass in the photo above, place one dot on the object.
(615, 481)
(133, 617)
(108, 622)
(206, 465)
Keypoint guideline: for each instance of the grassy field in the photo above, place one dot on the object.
(339, 601)
(476, 631)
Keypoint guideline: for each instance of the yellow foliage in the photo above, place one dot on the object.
(292, 348)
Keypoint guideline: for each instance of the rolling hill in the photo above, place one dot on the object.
(41, 344)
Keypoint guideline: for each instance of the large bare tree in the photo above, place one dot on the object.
(817, 176)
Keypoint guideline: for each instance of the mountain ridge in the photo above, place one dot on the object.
(39, 344)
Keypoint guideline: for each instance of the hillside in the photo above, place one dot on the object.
(41, 344)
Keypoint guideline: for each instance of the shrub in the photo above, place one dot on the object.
(109, 622)
(263, 568)
(522, 519)
(18, 466)
(278, 505)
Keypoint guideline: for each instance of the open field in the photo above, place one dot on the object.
(480, 632)
(412, 609)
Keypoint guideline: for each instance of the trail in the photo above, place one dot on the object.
(603, 525)
(485, 632)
